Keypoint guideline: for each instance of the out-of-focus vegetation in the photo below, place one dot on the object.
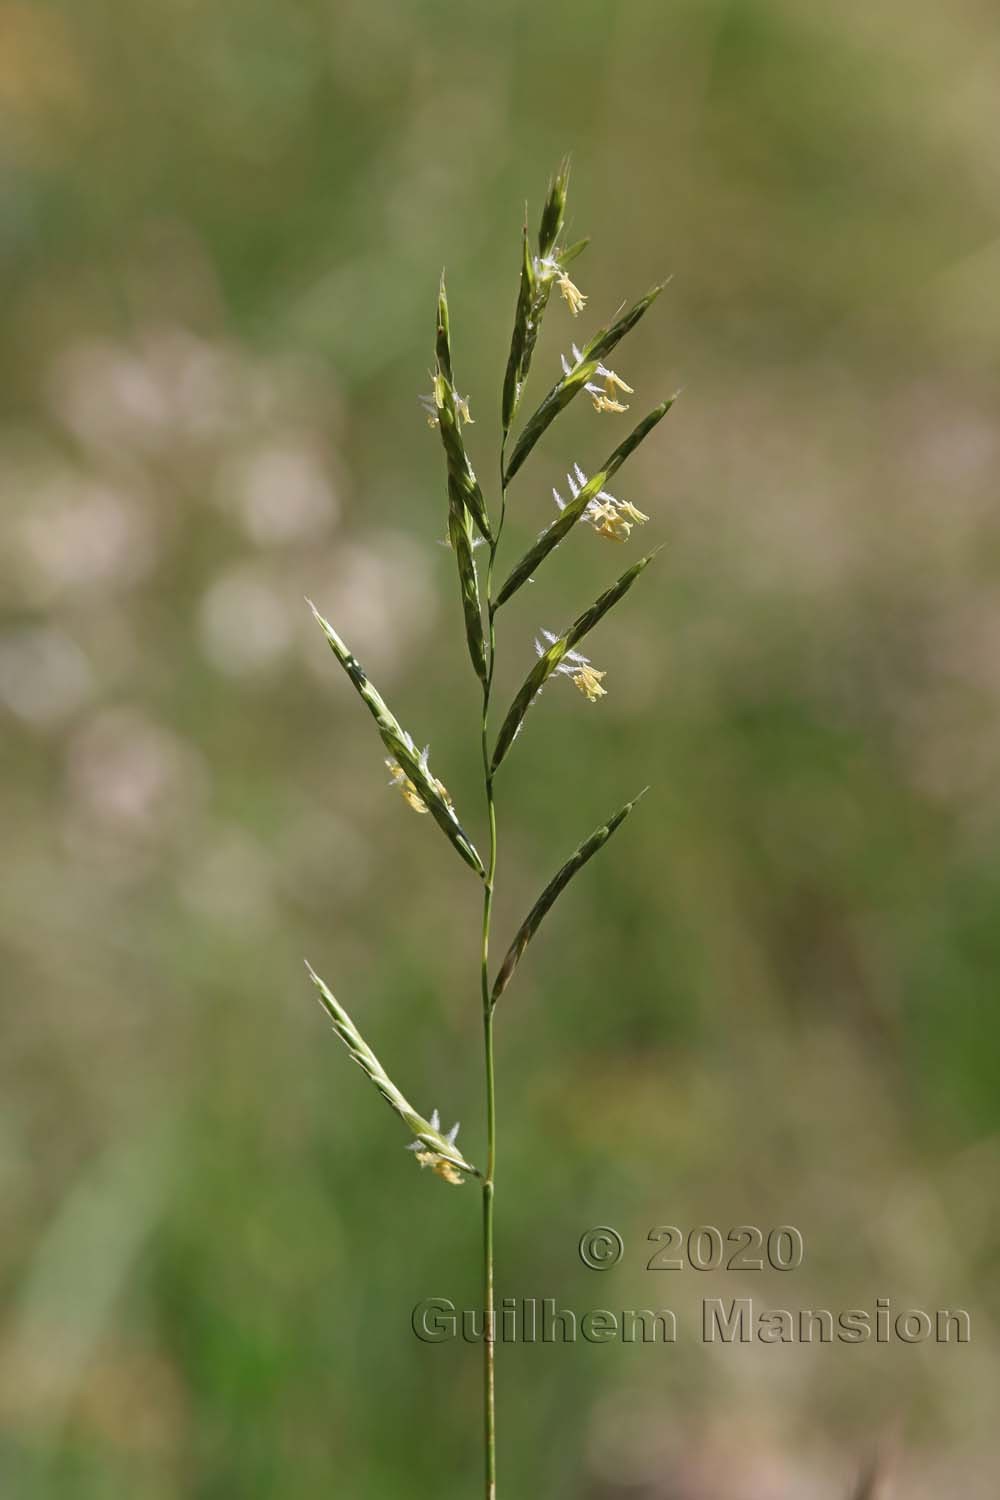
(772, 1000)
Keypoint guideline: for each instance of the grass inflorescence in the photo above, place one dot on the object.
(472, 526)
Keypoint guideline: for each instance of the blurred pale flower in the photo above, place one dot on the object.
(107, 394)
(44, 676)
(82, 533)
(207, 385)
(244, 620)
(132, 775)
(142, 397)
(282, 491)
(169, 391)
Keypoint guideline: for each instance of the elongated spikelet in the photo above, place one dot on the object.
(567, 519)
(538, 276)
(546, 412)
(550, 659)
(429, 1136)
(463, 486)
(554, 211)
(401, 746)
(554, 890)
(520, 352)
(460, 537)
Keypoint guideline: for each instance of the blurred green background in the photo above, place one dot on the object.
(771, 1000)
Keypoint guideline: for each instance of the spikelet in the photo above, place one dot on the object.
(436, 1149)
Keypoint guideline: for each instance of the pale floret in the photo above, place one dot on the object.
(428, 1156)
(409, 791)
(477, 541)
(610, 518)
(609, 522)
(603, 402)
(577, 667)
(603, 395)
(549, 269)
(589, 683)
(638, 517)
(432, 405)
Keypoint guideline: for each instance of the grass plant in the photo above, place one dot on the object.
(474, 527)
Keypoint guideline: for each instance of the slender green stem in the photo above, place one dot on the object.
(489, 1309)
(489, 1380)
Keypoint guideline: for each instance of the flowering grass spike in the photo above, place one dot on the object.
(472, 524)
